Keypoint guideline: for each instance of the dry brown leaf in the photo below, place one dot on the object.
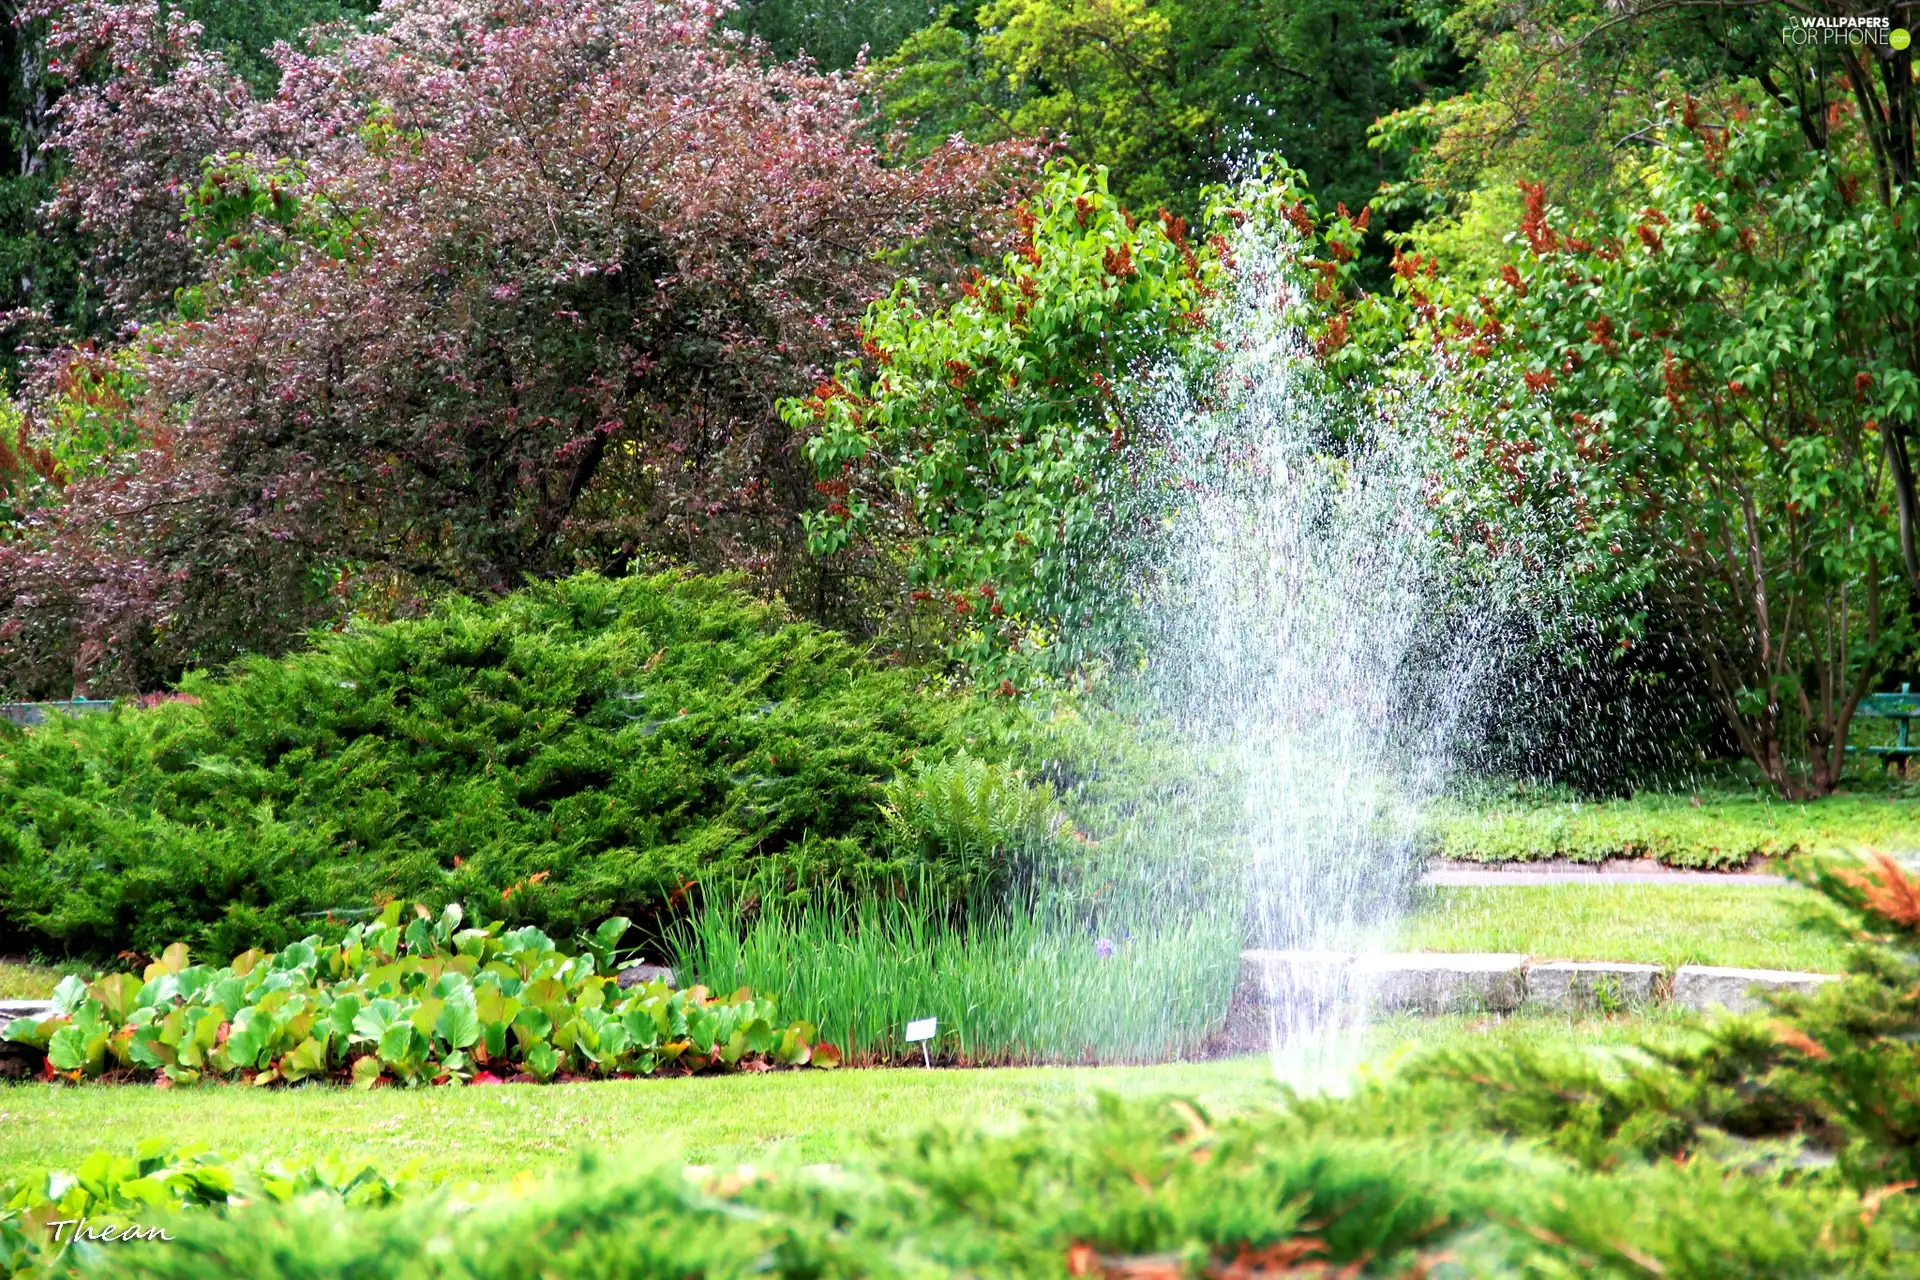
(1283, 1258)
(1871, 1201)
(1892, 895)
(1794, 1038)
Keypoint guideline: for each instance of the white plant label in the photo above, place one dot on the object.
(922, 1029)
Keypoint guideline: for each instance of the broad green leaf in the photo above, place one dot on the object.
(309, 1058)
(458, 1024)
(69, 995)
(67, 1050)
(117, 993)
(543, 1061)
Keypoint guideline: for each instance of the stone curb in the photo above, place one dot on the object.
(1703, 986)
(1430, 983)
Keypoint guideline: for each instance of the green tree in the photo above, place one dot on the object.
(45, 291)
(1699, 390)
(833, 32)
(1570, 94)
(1166, 94)
(987, 436)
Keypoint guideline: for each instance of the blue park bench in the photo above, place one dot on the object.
(31, 713)
(1900, 707)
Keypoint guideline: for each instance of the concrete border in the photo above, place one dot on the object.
(1430, 983)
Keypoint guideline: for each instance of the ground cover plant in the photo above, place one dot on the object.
(581, 749)
(430, 1002)
(1713, 827)
(161, 1176)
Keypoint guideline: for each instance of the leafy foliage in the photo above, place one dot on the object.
(1167, 95)
(1153, 1190)
(980, 823)
(1705, 385)
(160, 1177)
(484, 292)
(988, 436)
(578, 749)
(433, 1002)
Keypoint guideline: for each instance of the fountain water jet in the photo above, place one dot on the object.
(1305, 624)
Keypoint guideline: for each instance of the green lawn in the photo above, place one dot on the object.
(491, 1134)
(1753, 927)
(26, 981)
(1726, 827)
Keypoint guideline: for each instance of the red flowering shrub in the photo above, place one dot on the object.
(487, 292)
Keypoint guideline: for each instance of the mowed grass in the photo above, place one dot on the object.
(1756, 927)
(26, 981)
(492, 1134)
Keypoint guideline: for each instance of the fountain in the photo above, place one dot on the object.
(1307, 628)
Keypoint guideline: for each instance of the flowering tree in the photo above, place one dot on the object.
(987, 437)
(1701, 388)
(489, 290)
(1009, 443)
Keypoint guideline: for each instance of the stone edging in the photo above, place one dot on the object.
(1435, 983)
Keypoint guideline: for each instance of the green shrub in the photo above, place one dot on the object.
(979, 824)
(1151, 1190)
(157, 1179)
(430, 1002)
(577, 750)
(1006, 986)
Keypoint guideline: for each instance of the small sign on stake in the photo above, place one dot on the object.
(921, 1030)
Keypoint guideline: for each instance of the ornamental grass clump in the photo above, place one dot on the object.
(1007, 986)
(432, 1002)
